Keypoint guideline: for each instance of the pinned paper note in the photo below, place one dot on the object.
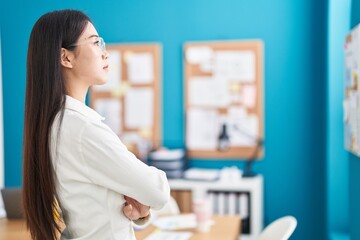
(243, 128)
(139, 108)
(248, 95)
(207, 67)
(234, 87)
(200, 54)
(111, 110)
(235, 65)
(205, 91)
(145, 132)
(140, 68)
(120, 90)
(346, 110)
(202, 129)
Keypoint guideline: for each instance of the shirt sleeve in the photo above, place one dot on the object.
(112, 166)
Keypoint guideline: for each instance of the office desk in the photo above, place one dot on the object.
(13, 230)
(224, 228)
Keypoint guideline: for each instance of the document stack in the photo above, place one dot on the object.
(172, 162)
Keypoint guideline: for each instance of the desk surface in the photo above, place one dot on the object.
(13, 230)
(225, 228)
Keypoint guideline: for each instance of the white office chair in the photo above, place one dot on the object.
(170, 208)
(280, 229)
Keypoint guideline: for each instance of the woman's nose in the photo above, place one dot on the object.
(105, 55)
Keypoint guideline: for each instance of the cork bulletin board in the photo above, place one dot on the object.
(351, 102)
(131, 99)
(224, 86)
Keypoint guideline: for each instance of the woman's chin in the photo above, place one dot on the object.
(101, 82)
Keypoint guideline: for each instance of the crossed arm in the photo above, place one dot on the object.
(136, 211)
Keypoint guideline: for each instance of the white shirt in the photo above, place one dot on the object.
(94, 171)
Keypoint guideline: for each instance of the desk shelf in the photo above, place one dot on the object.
(184, 191)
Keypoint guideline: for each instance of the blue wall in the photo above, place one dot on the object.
(354, 196)
(337, 164)
(354, 163)
(294, 33)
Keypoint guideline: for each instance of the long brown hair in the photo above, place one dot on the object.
(45, 98)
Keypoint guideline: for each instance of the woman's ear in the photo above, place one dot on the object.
(66, 58)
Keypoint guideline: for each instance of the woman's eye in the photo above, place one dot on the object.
(97, 42)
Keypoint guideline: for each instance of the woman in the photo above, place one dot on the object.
(69, 154)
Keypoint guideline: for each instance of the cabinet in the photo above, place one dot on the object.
(243, 197)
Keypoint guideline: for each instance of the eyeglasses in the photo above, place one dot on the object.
(99, 41)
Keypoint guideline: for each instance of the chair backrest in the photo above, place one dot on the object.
(12, 198)
(170, 208)
(280, 229)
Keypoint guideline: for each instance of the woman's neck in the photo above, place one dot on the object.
(77, 90)
(78, 94)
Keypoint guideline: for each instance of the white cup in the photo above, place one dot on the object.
(201, 208)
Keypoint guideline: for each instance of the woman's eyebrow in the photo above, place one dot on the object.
(91, 36)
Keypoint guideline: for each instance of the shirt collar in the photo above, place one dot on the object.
(76, 105)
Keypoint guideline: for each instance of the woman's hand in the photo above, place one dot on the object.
(134, 210)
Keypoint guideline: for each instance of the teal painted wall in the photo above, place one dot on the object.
(294, 33)
(354, 197)
(354, 162)
(337, 163)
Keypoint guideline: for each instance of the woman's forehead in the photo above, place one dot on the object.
(89, 32)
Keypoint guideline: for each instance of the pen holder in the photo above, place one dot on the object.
(201, 208)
